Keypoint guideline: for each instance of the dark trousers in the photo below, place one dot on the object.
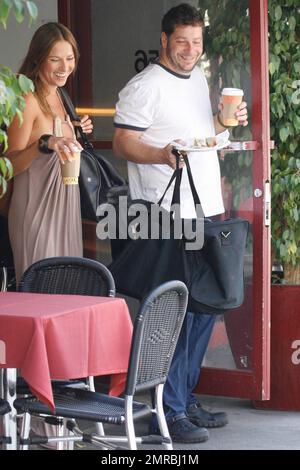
(185, 368)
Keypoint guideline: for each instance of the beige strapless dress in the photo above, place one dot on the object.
(44, 217)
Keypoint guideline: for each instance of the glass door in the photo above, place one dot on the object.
(237, 362)
(117, 39)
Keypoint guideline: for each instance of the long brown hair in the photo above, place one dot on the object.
(41, 44)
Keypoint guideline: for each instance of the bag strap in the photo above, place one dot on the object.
(191, 181)
(174, 176)
(177, 176)
(70, 108)
(178, 171)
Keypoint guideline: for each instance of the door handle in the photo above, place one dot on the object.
(267, 204)
(244, 145)
(237, 146)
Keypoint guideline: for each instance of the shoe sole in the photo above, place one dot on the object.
(208, 424)
(196, 440)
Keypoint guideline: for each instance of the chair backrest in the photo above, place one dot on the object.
(68, 275)
(156, 331)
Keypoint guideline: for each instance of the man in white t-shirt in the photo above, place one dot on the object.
(170, 101)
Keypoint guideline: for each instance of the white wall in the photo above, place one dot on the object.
(14, 41)
(120, 28)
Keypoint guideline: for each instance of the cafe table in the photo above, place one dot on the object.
(49, 336)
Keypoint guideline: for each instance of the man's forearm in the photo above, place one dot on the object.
(134, 150)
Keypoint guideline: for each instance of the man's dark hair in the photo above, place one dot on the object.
(183, 14)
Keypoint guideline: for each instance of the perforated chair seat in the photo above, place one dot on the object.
(81, 404)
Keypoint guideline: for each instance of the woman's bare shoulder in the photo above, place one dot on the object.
(21, 132)
(31, 102)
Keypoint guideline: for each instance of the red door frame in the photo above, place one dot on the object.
(254, 384)
(234, 383)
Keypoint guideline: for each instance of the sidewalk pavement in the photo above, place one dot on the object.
(248, 428)
(251, 429)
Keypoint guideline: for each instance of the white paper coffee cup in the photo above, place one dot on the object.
(70, 169)
(231, 99)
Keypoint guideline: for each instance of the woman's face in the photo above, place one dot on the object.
(59, 64)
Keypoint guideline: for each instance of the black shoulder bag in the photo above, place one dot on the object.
(213, 274)
(97, 176)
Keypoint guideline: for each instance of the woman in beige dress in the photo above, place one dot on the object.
(44, 215)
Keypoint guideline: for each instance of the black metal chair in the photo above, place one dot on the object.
(4, 410)
(67, 275)
(156, 330)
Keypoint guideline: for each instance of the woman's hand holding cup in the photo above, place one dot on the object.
(66, 149)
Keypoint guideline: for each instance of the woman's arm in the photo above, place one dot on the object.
(22, 147)
(23, 141)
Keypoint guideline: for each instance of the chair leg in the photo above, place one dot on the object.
(100, 429)
(129, 423)
(162, 423)
(25, 430)
(99, 426)
(91, 383)
(60, 432)
(67, 445)
(9, 393)
(6, 423)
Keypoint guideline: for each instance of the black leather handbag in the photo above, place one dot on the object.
(97, 175)
(213, 274)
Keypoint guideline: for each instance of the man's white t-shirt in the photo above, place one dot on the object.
(167, 106)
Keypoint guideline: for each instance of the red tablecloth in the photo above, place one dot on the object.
(64, 337)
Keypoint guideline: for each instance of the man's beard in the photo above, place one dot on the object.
(176, 65)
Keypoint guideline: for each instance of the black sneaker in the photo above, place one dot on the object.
(201, 417)
(182, 430)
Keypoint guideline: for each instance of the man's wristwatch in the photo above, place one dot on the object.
(43, 143)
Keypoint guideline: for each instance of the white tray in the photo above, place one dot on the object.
(189, 147)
